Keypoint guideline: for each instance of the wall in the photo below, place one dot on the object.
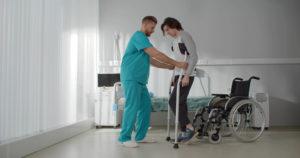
(47, 65)
(225, 30)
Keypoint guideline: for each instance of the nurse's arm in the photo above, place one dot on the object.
(154, 53)
(158, 64)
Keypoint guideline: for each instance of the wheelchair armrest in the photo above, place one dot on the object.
(221, 95)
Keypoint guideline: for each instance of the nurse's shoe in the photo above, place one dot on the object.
(130, 144)
(147, 140)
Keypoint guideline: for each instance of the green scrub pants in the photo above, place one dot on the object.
(136, 112)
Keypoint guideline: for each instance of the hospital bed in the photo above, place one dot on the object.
(160, 104)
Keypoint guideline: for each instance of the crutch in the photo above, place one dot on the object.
(169, 111)
(177, 107)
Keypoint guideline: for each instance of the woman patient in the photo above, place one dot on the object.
(182, 43)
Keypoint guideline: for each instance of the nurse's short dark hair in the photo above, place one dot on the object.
(171, 23)
(149, 18)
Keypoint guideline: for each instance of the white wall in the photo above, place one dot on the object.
(222, 29)
(47, 64)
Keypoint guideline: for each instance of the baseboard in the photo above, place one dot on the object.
(23, 147)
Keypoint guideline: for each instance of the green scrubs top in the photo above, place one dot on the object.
(136, 62)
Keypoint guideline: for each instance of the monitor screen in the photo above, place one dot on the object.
(108, 80)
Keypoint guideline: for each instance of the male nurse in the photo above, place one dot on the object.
(135, 67)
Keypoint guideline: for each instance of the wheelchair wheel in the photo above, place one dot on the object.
(214, 137)
(247, 120)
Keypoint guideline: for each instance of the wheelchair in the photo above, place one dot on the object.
(234, 114)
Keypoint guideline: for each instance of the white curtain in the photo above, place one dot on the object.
(47, 64)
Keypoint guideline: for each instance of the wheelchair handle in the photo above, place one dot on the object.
(254, 77)
(238, 79)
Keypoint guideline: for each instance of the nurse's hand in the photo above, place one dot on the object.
(182, 65)
(185, 80)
